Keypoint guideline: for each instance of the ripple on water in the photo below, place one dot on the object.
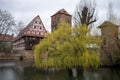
(10, 64)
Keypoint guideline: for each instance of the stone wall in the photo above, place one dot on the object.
(110, 50)
(27, 54)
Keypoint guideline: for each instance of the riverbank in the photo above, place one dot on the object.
(19, 55)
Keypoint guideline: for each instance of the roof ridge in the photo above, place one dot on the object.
(21, 33)
(61, 11)
(105, 23)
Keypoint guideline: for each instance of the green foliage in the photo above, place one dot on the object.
(68, 47)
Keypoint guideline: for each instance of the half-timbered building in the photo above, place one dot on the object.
(30, 35)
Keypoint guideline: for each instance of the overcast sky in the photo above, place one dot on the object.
(26, 10)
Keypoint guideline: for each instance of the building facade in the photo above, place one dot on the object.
(35, 30)
(60, 16)
(30, 35)
(6, 42)
(110, 51)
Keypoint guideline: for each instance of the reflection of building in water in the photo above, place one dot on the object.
(11, 71)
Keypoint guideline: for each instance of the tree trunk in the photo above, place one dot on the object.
(72, 72)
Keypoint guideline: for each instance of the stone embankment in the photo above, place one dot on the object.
(17, 55)
(9, 56)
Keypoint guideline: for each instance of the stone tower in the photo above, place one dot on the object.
(109, 35)
(61, 15)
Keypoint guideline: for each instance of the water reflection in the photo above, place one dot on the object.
(11, 70)
(92, 75)
(110, 74)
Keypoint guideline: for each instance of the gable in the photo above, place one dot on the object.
(61, 11)
(35, 28)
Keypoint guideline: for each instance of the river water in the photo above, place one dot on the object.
(21, 70)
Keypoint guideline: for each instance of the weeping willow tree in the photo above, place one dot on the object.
(68, 48)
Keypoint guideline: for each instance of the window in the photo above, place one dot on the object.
(28, 32)
(42, 33)
(33, 32)
(33, 38)
(37, 32)
(35, 21)
(34, 27)
(40, 28)
(30, 45)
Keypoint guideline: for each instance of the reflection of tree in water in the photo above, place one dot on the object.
(10, 71)
(110, 73)
(57, 75)
(101, 74)
(92, 75)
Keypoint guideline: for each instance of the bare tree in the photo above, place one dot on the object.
(18, 27)
(85, 13)
(6, 22)
(110, 11)
(110, 14)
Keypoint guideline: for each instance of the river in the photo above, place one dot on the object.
(21, 70)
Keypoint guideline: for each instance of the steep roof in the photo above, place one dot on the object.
(107, 23)
(30, 31)
(61, 11)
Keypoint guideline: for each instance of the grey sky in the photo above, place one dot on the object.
(26, 10)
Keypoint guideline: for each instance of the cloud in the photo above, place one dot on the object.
(26, 10)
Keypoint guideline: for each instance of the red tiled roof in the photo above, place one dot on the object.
(22, 32)
(36, 35)
(61, 11)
